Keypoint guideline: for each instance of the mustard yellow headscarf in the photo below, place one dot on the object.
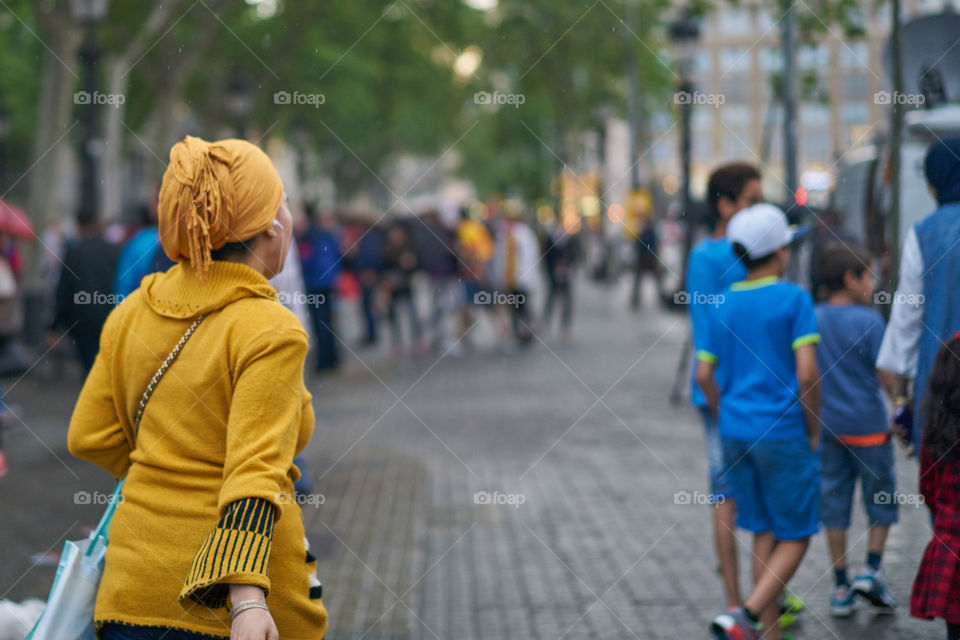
(214, 193)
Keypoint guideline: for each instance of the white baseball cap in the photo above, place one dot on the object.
(761, 230)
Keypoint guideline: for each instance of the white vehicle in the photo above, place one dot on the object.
(862, 195)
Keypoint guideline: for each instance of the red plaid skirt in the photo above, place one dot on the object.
(936, 589)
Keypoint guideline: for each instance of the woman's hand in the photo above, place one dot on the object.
(254, 624)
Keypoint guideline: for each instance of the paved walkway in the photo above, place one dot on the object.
(536, 494)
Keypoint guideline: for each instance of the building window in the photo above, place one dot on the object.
(854, 55)
(734, 20)
(771, 59)
(815, 144)
(735, 59)
(738, 117)
(854, 113)
(735, 92)
(737, 146)
(702, 146)
(765, 19)
(813, 56)
(702, 117)
(703, 61)
(855, 86)
(814, 115)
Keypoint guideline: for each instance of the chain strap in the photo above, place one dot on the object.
(162, 370)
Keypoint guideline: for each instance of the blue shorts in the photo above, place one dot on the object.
(776, 485)
(719, 486)
(842, 465)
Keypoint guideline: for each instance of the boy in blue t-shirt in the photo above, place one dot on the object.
(856, 435)
(713, 267)
(760, 345)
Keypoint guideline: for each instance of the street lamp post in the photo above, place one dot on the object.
(89, 13)
(602, 114)
(633, 89)
(300, 136)
(239, 104)
(684, 33)
(788, 27)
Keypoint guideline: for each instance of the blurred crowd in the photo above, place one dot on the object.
(421, 283)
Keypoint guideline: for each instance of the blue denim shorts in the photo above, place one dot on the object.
(719, 485)
(776, 485)
(842, 466)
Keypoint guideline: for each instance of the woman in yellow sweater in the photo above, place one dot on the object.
(207, 541)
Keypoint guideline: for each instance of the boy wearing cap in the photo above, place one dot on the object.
(760, 344)
(856, 442)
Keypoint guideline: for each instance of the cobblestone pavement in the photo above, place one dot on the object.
(536, 494)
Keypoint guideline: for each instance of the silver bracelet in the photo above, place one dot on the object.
(243, 602)
(240, 607)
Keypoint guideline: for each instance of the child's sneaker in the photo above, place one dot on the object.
(790, 607)
(870, 584)
(791, 603)
(734, 625)
(841, 601)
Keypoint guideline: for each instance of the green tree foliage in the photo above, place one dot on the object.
(386, 74)
(567, 59)
(19, 86)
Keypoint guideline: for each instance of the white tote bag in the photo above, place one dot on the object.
(69, 611)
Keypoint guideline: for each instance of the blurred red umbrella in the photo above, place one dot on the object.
(14, 221)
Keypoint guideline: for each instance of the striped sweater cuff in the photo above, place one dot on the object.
(237, 551)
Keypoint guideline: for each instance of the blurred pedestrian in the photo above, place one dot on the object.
(926, 307)
(11, 324)
(475, 251)
(290, 293)
(771, 442)
(516, 256)
(365, 259)
(435, 247)
(828, 230)
(290, 288)
(85, 290)
(322, 263)
(209, 473)
(137, 257)
(856, 433)
(646, 260)
(400, 262)
(560, 258)
(936, 589)
(713, 267)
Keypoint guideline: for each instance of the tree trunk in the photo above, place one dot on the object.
(52, 193)
(111, 160)
(896, 135)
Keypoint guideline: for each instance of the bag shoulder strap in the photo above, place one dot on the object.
(162, 370)
(104, 524)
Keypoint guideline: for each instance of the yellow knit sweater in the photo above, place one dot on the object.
(206, 501)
